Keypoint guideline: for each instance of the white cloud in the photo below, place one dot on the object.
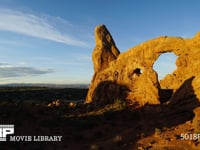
(38, 26)
(5, 65)
(7, 71)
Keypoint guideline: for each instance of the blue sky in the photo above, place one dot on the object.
(51, 41)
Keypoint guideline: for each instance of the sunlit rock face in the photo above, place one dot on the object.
(130, 75)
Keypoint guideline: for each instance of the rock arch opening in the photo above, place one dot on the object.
(165, 64)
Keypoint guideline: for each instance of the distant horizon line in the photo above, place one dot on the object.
(44, 84)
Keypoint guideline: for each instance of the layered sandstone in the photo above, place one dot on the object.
(130, 75)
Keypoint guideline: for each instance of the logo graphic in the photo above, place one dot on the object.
(9, 129)
(5, 130)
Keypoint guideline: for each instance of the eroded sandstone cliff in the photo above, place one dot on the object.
(130, 75)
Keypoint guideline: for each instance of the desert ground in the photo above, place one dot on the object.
(117, 125)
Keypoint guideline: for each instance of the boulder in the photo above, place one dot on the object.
(56, 103)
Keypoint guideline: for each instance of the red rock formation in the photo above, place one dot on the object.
(105, 50)
(130, 75)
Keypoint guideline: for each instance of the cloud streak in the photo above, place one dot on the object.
(37, 26)
(7, 71)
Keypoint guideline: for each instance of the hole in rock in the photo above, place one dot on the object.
(137, 71)
(165, 64)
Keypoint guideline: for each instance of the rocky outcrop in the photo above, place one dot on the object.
(130, 75)
(105, 50)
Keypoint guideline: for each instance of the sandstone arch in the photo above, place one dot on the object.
(145, 88)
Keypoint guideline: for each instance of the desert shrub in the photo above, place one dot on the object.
(119, 104)
(118, 101)
(157, 131)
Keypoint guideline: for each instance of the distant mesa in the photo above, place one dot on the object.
(130, 75)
